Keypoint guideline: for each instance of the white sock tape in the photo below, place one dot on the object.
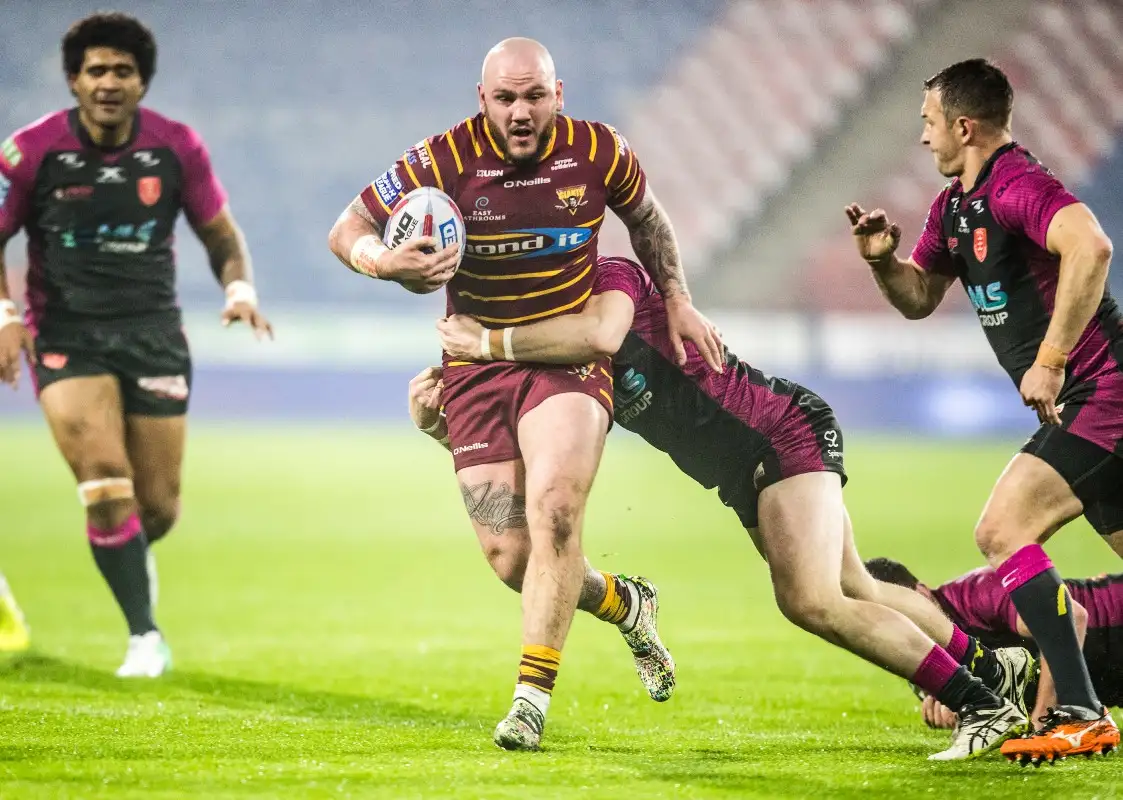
(91, 493)
(508, 348)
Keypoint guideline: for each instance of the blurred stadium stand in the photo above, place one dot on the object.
(775, 113)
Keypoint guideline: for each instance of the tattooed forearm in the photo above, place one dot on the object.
(497, 507)
(359, 208)
(226, 249)
(653, 240)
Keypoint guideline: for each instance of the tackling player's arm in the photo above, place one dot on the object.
(596, 332)
(1046, 689)
(425, 405)
(230, 261)
(910, 288)
(14, 337)
(653, 240)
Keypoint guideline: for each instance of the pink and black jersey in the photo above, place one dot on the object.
(978, 604)
(739, 431)
(100, 221)
(993, 239)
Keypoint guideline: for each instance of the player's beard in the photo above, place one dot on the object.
(541, 144)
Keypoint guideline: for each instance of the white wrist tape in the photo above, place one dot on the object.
(240, 292)
(485, 344)
(508, 346)
(365, 254)
(9, 313)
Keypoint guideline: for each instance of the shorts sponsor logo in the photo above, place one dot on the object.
(53, 360)
(148, 189)
(834, 450)
(563, 163)
(10, 152)
(527, 243)
(583, 371)
(489, 173)
(5, 185)
(630, 386)
(167, 387)
(572, 198)
(979, 241)
(529, 182)
(388, 187)
(758, 477)
(469, 447)
(641, 404)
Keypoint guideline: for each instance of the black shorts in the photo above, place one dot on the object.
(1094, 474)
(807, 439)
(152, 363)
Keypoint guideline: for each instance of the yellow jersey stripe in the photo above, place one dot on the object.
(586, 224)
(592, 141)
(628, 171)
(540, 314)
(634, 189)
(548, 274)
(607, 397)
(436, 169)
(612, 169)
(569, 135)
(508, 298)
(494, 146)
(472, 135)
(604, 372)
(378, 197)
(409, 171)
(455, 155)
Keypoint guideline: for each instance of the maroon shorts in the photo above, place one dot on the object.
(483, 403)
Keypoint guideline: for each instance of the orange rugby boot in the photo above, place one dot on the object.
(1065, 734)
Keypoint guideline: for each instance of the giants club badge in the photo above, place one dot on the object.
(980, 242)
(148, 189)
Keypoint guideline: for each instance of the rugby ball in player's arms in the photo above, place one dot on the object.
(426, 212)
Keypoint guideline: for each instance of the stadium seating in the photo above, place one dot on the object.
(762, 87)
(1067, 72)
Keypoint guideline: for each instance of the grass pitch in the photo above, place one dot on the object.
(337, 633)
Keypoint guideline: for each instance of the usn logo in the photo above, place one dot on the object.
(989, 301)
(633, 397)
(528, 243)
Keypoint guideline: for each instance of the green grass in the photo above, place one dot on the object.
(338, 634)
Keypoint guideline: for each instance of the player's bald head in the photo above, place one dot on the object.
(518, 59)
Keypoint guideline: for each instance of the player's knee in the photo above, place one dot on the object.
(557, 512)
(509, 565)
(815, 612)
(96, 466)
(858, 584)
(159, 516)
(993, 538)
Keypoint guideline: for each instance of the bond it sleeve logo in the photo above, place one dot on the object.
(10, 152)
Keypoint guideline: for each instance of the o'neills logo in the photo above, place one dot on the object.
(466, 448)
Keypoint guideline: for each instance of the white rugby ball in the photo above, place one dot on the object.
(426, 212)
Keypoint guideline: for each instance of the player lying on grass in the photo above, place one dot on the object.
(975, 602)
(774, 451)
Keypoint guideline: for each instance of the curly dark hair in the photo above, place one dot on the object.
(110, 29)
(975, 89)
(887, 570)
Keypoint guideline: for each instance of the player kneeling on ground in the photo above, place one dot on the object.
(774, 451)
(98, 188)
(977, 602)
